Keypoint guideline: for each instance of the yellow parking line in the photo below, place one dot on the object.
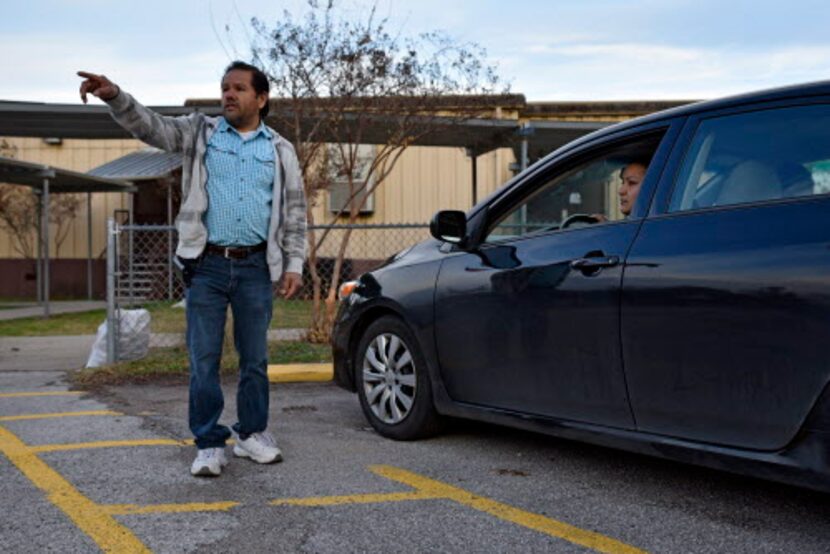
(353, 499)
(98, 523)
(133, 509)
(437, 489)
(101, 527)
(27, 394)
(108, 444)
(61, 414)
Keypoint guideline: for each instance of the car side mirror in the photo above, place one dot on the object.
(449, 226)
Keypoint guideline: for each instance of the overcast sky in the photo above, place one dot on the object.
(167, 51)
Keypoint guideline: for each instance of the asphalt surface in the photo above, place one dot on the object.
(44, 353)
(482, 488)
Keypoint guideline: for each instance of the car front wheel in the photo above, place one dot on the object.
(393, 384)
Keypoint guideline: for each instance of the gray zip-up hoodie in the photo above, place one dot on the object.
(190, 135)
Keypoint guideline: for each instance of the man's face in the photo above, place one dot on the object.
(240, 102)
(632, 178)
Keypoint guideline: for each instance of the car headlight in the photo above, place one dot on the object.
(346, 289)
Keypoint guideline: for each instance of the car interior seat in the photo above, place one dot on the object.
(750, 181)
(796, 180)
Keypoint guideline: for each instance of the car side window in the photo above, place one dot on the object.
(602, 189)
(754, 157)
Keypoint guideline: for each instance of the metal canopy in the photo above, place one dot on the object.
(546, 136)
(46, 180)
(150, 164)
(144, 165)
(60, 180)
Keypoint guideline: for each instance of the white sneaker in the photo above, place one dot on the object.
(260, 447)
(209, 462)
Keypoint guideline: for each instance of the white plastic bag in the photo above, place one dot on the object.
(133, 338)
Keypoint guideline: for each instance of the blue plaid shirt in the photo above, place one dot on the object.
(240, 179)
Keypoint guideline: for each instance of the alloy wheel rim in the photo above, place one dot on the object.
(389, 381)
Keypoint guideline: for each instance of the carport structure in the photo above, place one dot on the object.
(45, 180)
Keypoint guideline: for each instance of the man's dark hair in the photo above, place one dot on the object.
(258, 79)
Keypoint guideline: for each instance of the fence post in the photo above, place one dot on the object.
(112, 322)
(130, 251)
(170, 253)
(170, 239)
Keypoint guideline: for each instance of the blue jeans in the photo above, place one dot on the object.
(245, 284)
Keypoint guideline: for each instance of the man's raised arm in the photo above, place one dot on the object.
(167, 133)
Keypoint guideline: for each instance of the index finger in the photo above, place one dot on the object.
(88, 75)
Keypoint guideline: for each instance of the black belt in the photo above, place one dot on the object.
(235, 252)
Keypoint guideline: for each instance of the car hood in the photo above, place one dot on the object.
(422, 252)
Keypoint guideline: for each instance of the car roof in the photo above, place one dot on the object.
(818, 88)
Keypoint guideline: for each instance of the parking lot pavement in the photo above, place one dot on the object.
(44, 353)
(110, 471)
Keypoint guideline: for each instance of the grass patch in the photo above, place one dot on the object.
(81, 323)
(287, 314)
(171, 364)
(291, 314)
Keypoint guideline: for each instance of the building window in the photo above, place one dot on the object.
(340, 194)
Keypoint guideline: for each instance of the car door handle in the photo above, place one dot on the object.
(598, 262)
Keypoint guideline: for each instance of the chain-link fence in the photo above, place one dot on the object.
(145, 295)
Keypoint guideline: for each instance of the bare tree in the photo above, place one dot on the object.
(63, 208)
(18, 217)
(333, 80)
(20, 209)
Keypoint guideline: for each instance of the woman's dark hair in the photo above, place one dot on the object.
(258, 79)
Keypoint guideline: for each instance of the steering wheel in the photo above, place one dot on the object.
(583, 219)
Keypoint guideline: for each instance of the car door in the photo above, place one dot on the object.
(726, 291)
(528, 321)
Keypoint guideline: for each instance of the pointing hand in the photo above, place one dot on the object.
(98, 85)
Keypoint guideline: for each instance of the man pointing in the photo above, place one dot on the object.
(241, 225)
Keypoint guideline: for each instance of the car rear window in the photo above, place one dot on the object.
(756, 156)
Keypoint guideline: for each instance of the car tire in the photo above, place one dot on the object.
(393, 382)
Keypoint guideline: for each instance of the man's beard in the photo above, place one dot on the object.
(234, 118)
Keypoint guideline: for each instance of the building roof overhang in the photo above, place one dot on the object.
(144, 165)
(39, 119)
(545, 125)
(60, 180)
(479, 135)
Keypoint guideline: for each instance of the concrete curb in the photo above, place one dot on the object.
(300, 373)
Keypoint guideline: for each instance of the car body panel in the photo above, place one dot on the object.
(518, 328)
(726, 341)
(725, 309)
(387, 291)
